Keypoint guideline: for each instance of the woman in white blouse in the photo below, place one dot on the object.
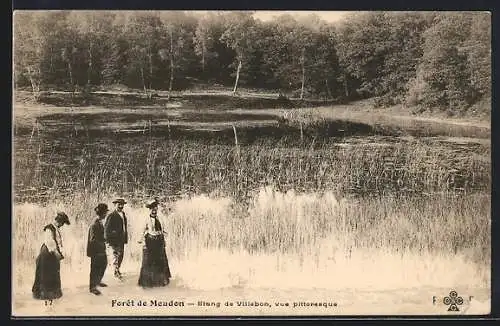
(154, 270)
(47, 283)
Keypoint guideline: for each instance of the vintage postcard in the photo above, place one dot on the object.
(251, 163)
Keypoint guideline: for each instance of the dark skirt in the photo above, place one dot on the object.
(154, 270)
(47, 283)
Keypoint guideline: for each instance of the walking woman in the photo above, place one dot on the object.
(154, 270)
(47, 285)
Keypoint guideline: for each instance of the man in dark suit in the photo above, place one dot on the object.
(96, 250)
(116, 235)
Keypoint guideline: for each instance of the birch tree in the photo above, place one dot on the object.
(114, 47)
(443, 80)
(478, 47)
(303, 48)
(205, 38)
(29, 45)
(143, 36)
(240, 35)
(177, 37)
(92, 28)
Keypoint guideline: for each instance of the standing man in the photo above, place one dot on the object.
(96, 250)
(116, 235)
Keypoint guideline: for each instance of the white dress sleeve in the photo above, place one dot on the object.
(49, 240)
(59, 242)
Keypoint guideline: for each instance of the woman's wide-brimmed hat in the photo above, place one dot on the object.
(152, 203)
(119, 201)
(101, 208)
(63, 218)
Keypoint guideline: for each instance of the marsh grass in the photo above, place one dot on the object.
(144, 165)
(297, 235)
(341, 213)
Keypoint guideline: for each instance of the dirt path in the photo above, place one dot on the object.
(124, 299)
(227, 92)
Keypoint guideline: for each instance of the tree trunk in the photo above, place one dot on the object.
(328, 89)
(203, 56)
(171, 84)
(144, 82)
(51, 69)
(303, 74)
(150, 79)
(89, 70)
(70, 70)
(34, 87)
(38, 82)
(150, 76)
(237, 77)
(346, 89)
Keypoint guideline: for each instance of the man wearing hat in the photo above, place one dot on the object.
(47, 285)
(116, 235)
(96, 249)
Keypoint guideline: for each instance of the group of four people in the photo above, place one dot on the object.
(106, 230)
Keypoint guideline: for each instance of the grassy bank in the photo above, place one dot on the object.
(434, 242)
(396, 122)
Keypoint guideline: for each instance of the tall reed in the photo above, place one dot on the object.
(174, 168)
(311, 228)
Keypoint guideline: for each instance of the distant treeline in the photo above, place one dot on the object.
(433, 60)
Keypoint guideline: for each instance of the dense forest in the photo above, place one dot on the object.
(428, 60)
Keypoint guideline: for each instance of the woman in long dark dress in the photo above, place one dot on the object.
(47, 285)
(154, 270)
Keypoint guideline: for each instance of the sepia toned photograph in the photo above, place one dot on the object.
(251, 163)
